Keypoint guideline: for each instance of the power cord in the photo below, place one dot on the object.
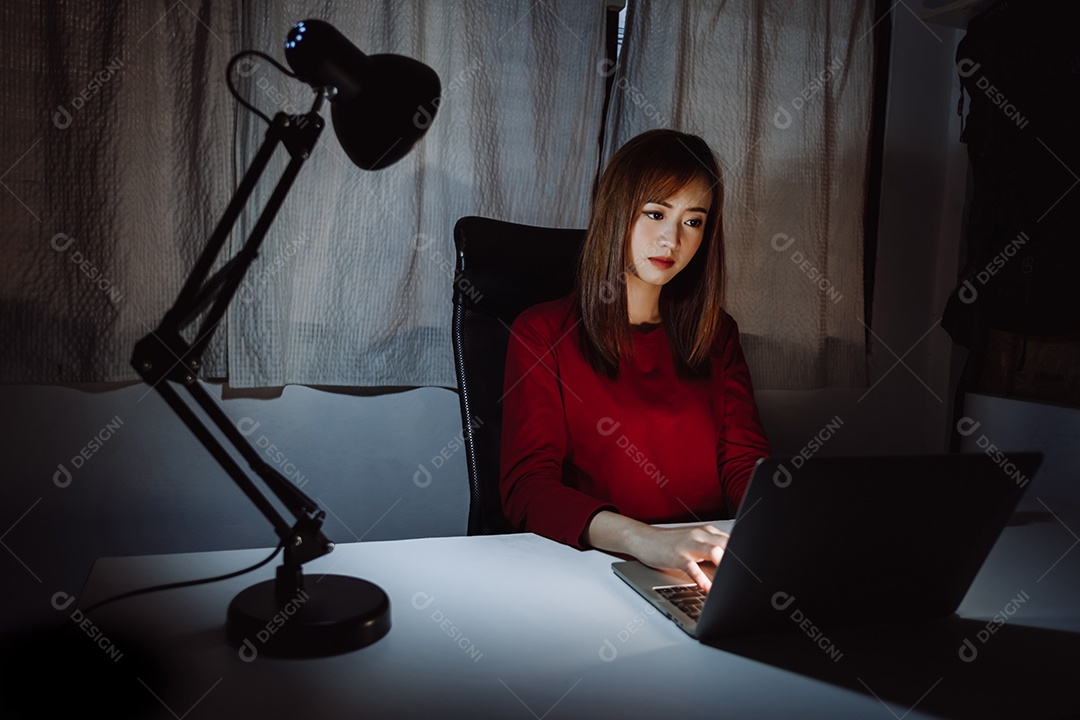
(232, 88)
(185, 583)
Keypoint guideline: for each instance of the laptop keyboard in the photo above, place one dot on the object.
(688, 598)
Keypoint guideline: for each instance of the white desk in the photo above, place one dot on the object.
(520, 627)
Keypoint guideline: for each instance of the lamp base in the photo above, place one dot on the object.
(333, 614)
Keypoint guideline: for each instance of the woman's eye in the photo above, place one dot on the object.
(654, 214)
(694, 223)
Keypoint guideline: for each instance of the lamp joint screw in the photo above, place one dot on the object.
(329, 547)
(297, 541)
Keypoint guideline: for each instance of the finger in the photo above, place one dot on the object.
(714, 554)
(699, 577)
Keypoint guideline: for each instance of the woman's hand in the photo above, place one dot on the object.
(663, 548)
(683, 549)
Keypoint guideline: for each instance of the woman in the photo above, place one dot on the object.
(629, 402)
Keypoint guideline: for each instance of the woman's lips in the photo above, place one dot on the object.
(662, 263)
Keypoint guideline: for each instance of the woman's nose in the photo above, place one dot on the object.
(670, 237)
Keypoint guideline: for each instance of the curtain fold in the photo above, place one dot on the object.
(782, 90)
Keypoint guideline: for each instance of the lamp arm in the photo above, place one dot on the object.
(286, 491)
(211, 443)
(164, 356)
(192, 292)
(299, 134)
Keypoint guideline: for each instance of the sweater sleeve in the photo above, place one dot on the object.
(740, 440)
(534, 437)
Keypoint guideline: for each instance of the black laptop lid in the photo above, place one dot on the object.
(834, 542)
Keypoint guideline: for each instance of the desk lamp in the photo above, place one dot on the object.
(374, 100)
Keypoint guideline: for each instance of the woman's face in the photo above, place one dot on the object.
(667, 232)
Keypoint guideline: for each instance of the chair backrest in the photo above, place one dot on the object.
(502, 269)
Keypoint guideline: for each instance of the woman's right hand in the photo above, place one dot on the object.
(682, 548)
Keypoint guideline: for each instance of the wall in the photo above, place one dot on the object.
(998, 426)
(105, 472)
(150, 488)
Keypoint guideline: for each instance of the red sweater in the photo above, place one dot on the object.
(646, 445)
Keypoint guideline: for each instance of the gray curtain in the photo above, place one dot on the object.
(357, 290)
(117, 150)
(122, 147)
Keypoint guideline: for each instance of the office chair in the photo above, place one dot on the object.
(502, 269)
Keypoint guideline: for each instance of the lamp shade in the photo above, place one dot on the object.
(383, 104)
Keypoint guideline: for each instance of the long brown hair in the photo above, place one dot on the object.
(651, 166)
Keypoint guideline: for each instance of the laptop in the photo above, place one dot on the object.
(845, 541)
